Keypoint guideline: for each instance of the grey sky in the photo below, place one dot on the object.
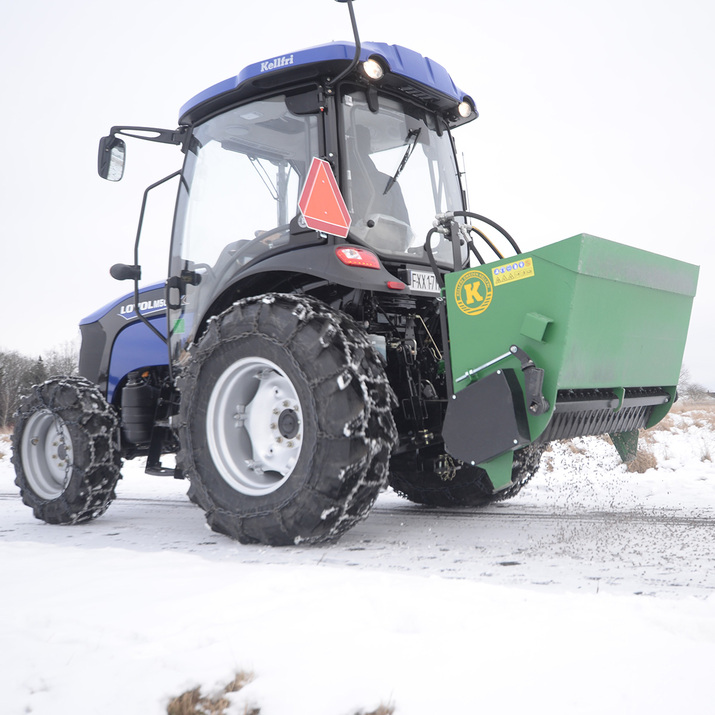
(595, 117)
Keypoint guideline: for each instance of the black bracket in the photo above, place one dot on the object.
(533, 378)
(536, 403)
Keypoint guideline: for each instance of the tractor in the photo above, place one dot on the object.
(336, 319)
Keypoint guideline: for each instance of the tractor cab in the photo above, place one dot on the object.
(249, 143)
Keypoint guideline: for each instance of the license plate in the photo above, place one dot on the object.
(423, 282)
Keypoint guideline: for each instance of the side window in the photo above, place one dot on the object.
(247, 174)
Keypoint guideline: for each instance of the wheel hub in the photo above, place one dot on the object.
(289, 423)
(46, 450)
(254, 421)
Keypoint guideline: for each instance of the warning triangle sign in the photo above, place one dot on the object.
(321, 202)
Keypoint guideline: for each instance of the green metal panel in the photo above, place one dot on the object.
(592, 313)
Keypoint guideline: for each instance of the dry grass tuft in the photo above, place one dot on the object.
(382, 709)
(186, 703)
(702, 414)
(573, 447)
(192, 702)
(704, 419)
(241, 680)
(682, 405)
(642, 463)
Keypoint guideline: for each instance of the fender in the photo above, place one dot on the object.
(290, 269)
(323, 263)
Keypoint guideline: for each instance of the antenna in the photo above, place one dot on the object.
(356, 58)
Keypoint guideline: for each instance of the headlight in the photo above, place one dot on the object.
(373, 69)
(465, 109)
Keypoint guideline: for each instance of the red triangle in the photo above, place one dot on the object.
(322, 203)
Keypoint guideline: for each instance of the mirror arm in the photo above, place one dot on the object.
(152, 134)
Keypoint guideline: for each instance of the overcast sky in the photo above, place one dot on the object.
(596, 117)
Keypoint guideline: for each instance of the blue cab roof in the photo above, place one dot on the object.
(400, 61)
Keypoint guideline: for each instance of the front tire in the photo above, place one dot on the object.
(285, 422)
(66, 451)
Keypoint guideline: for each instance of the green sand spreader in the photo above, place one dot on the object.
(581, 337)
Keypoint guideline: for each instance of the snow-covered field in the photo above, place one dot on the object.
(591, 592)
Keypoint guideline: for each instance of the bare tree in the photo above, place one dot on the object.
(18, 373)
(63, 360)
(689, 390)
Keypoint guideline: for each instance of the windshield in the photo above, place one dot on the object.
(400, 174)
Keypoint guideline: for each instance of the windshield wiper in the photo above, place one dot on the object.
(411, 141)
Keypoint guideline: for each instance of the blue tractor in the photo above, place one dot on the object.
(296, 358)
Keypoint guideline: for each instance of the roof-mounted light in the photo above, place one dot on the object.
(465, 109)
(373, 69)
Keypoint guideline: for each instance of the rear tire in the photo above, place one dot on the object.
(285, 424)
(455, 483)
(66, 451)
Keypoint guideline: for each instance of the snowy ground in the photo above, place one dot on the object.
(592, 591)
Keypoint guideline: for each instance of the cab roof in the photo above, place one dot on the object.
(408, 72)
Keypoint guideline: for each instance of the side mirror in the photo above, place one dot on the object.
(110, 160)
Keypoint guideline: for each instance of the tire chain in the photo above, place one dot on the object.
(375, 425)
(526, 464)
(90, 413)
(451, 488)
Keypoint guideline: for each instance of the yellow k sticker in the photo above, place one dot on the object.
(473, 292)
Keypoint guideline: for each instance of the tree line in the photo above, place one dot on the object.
(18, 373)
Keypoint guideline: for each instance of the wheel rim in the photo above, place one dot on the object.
(254, 426)
(46, 450)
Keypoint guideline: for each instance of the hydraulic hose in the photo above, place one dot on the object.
(476, 253)
(430, 256)
(488, 221)
(486, 240)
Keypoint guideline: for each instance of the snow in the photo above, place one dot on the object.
(590, 592)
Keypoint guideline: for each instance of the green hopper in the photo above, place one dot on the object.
(580, 337)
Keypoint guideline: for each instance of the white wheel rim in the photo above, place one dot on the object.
(254, 426)
(46, 450)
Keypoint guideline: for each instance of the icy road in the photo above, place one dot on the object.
(623, 547)
(596, 584)
(582, 524)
